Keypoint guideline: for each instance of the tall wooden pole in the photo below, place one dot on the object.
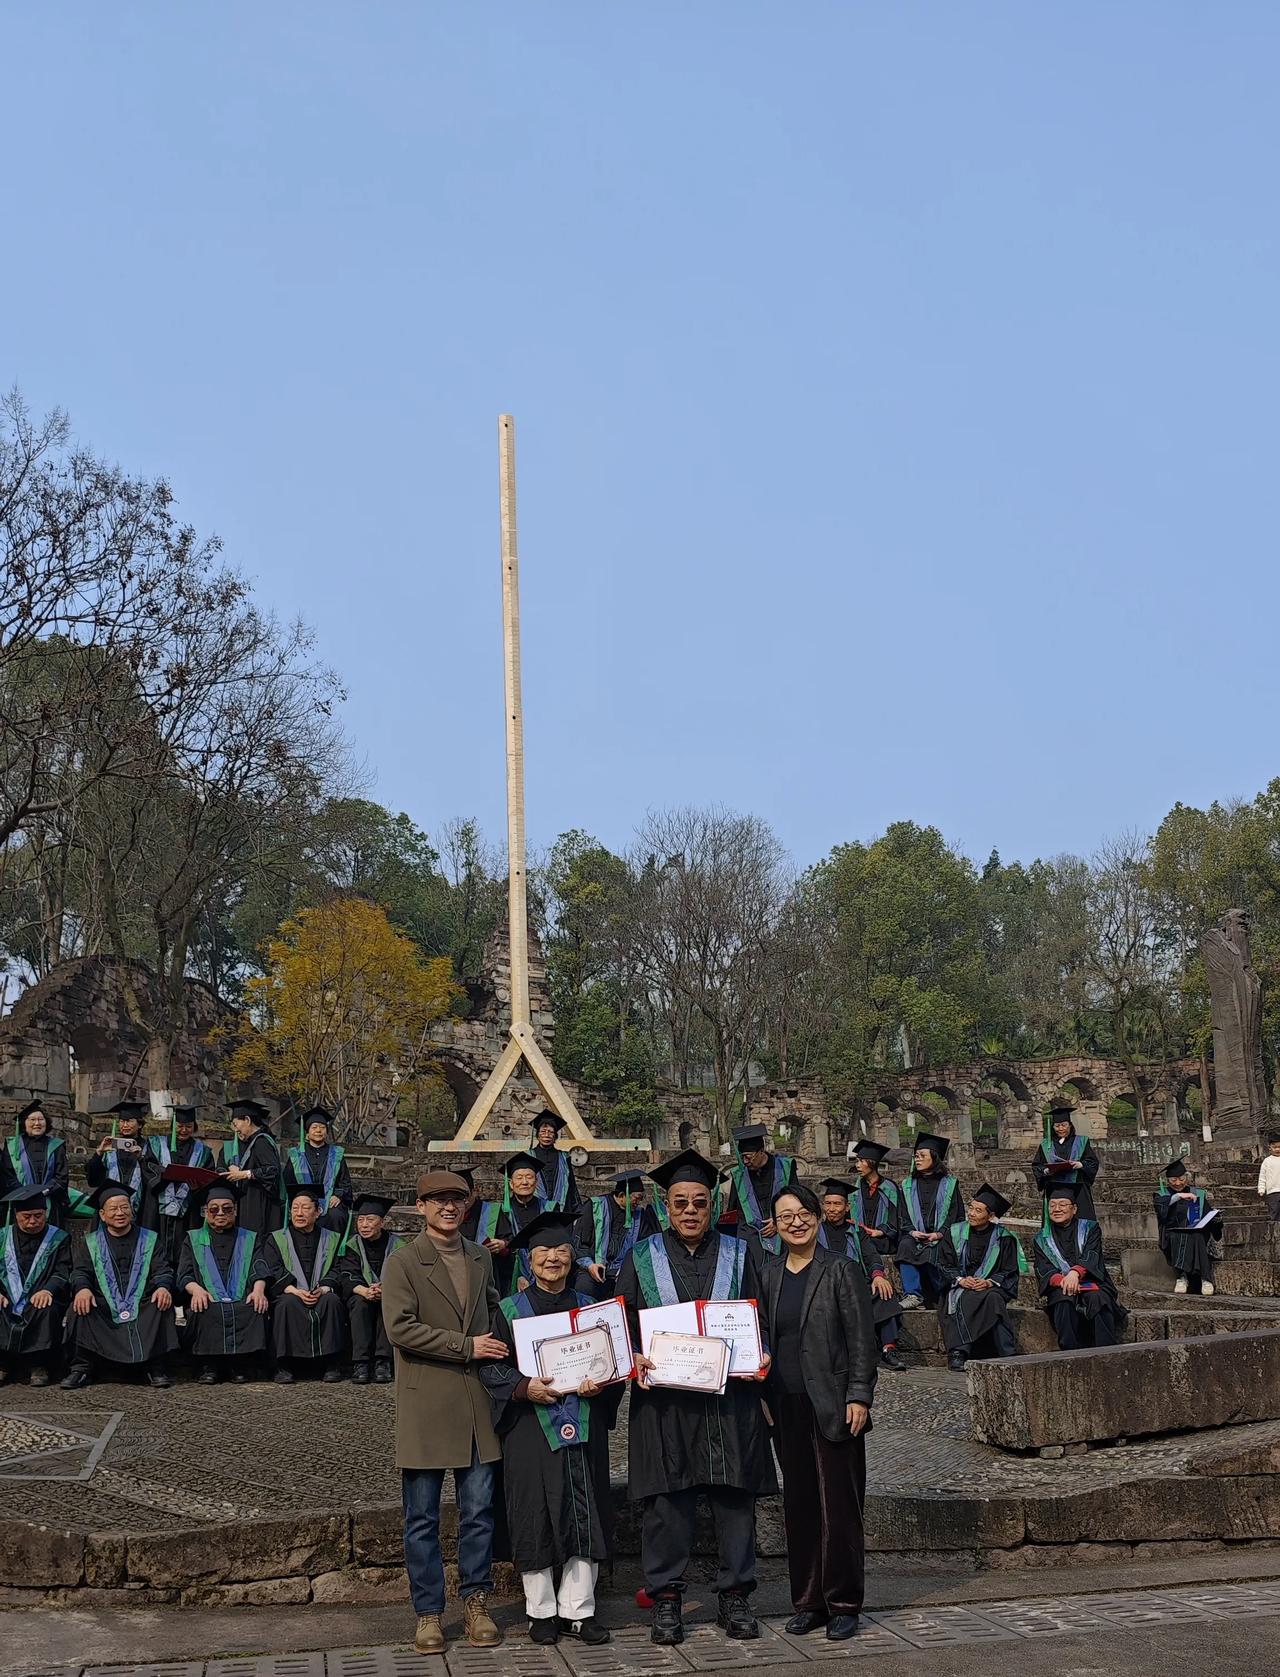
(517, 887)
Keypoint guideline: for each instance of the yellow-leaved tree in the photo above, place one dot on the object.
(342, 1016)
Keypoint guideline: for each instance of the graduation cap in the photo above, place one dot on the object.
(1060, 1107)
(306, 1190)
(27, 1110)
(108, 1191)
(221, 1190)
(935, 1144)
(871, 1151)
(317, 1115)
(626, 1182)
(130, 1108)
(834, 1185)
(372, 1205)
(548, 1228)
(993, 1199)
(521, 1161)
(689, 1166)
(28, 1197)
(1177, 1167)
(1063, 1191)
(467, 1173)
(248, 1109)
(546, 1116)
(747, 1134)
(185, 1114)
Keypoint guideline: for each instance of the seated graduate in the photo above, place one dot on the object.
(979, 1265)
(320, 1161)
(555, 1453)
(1078, 1292)
(360, 1276)
(222, 1281)
(1065, 1156)
(755, 1181)
(557, 1185)
(34, 1158)
(121, 1297)
(608, 1227)
(1179, 1208)
(839, 1233)
(930, 1204)
(124, 1157)
(501, 1219)
(177, 1205)
(308, 1322)
(35, 1286)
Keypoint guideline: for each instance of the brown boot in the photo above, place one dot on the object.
(430, 1634)
(480, 1628)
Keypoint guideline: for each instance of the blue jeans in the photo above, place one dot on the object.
(922, 1279)
(421, 1488)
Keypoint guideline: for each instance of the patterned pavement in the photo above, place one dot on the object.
(883, 1635)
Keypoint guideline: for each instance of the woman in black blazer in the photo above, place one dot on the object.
(817, 1311)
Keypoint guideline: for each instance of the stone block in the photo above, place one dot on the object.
(377, 1536)
(1174, 1509)
(290, 1546)
(1126, 1391)
(895, 1522)
(33, 1556)
(266, 1592)
(105, 1559)
(1233, 1462)
(367, 1586)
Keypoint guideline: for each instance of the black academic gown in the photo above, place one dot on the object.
(186, 1214)
(333, 1217)
(506, 1264)
(138, 1172)
(260, 1205)
(558, 1501)
(682, 1441)
(548, 1169)
(1094, 1316)
(1186, 1249)
(298, 1330)
(32, 1332)
(968, 1317)
(225, 1328)
(847, 1240)
(47, 1159)
(360, 1265)
(143, 1337)
(930, 1187)
(878, 1211)
(644, 1222)
(1082, 1175)
(763, 1186)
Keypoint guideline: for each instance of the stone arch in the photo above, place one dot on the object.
(687, 1136)
(936, 1120)
(1010, 1080)
(943, 1094)
(1080, 1088)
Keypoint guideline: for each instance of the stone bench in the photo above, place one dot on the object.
(1126, 1391)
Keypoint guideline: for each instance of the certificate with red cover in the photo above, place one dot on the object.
(737, 1322)
(195, 1176)
(610, 1314)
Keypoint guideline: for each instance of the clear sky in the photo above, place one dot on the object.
(896, 384)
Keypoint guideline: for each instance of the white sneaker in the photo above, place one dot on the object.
(1180, 1285)
(913, 1301)
(1206, 1289)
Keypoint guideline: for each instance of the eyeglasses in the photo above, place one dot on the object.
(790, 1217)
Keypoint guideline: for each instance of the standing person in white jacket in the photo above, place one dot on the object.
(1269, 1177)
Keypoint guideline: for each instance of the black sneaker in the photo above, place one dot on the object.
(668, 1626)
(76, 1379)
(331, 1376)
(956, 1361)
(382, 1373)
(544, 1632)
(360, 1374)
(735, 1618)
(283, 1377)
(590, 1631)
(208, 1375)
(158, 1377)
(889, 1358)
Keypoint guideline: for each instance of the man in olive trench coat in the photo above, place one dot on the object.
(438, 1300)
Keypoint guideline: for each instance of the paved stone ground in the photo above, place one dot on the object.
(125, 1457)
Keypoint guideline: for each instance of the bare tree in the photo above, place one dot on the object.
(1123, 957)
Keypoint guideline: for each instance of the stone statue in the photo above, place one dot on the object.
(1235, 991)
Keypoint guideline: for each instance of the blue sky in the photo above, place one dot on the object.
(896, 384)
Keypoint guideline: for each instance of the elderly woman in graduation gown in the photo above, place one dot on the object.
(308, 1318)
(555, 1453)
(124, 1157)
(121, 1296)
(557, 1185)
(35, 1285)
(979, 1263)
(683, 1443)
(930, 1204)
(251, 1160)
(321, 1161)
(34, 1158)
(1067, 1157)
(817, 1307)
(1071, 1272)
(501, 1220)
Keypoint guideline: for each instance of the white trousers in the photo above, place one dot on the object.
(576, 1598)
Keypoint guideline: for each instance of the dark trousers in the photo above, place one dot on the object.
(666, 1538)
(998, 1341)
(1078, 1332)
(823, 1488)
(1273, 1207)
(368, 1336)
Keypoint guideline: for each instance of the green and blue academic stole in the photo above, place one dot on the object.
(23, 1169)
(174, 1195)
(487, 1224)
(658, 1283)
(852, 1246)
(366, 1268)
(601, 1226)
(133, 1182)
(941, 1205)
(567, 1421)
(302, 1167)
(231, 1152)
(1049, 1246)
(18, 1287)
(960, 1240)
(747, 1199)
(123, 1303)
(1078, 1145)
(887, 1188)
(232, 1290)
(559, 1195)
(329, 1239)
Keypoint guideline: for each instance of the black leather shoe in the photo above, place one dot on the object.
(360, 1374)
(735, 1618)
(382, 1374)
(889, 1358)
(590, 1631)
(208, 1376)
(668, 1626)
(800, 1624)
(239, 1377)
(159, 1378)
(956, 1361)
(76, 1380)
(841, 1626)
(544, 1632)
(284, 1377)
(39, 1376)
(331, 1376)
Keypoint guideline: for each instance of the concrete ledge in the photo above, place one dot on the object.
(1126, 1391)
